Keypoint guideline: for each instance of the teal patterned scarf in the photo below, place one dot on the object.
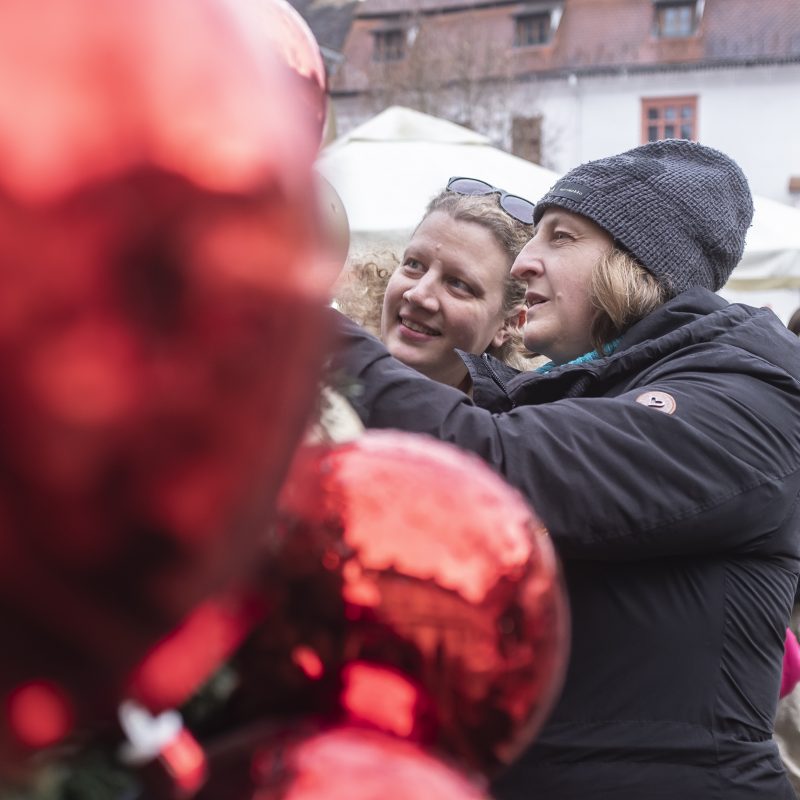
(608, 349)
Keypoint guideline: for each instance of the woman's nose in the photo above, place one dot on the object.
(423, 294)
(528, 262)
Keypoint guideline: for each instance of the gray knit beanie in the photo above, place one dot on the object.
(680, 208)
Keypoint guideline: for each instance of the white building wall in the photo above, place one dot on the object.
(753, 114)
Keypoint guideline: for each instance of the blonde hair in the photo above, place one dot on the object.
(360, 289)
(623, 292)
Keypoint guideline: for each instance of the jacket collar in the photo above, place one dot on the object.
(693, 317)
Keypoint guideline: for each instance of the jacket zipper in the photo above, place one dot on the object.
(496, 378)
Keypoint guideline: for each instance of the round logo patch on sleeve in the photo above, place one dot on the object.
(660, 401)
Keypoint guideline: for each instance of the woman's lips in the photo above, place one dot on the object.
(416, 329)
(532, 305)
(533, 299)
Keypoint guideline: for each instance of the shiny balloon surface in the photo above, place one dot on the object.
(414, 591)
(291, 37)
(343, 763)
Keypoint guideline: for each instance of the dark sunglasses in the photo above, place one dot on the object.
(517, 207)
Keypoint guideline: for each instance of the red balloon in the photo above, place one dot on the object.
(39, 714)
(297, 47)
(188, 88)
(358, 765)
(412, 590)
(338, 764)
(161, 314)
(180, 663)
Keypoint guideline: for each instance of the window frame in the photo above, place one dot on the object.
(660, 24)
(521, 19)
(659, 104)
(382, 53)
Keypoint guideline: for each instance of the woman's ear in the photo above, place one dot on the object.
(513, 322)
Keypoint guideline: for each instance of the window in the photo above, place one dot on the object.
(674, 20)
(531, 29)
(669, 118)
(389, 45)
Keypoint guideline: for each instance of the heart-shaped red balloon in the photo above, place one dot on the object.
(161, 314)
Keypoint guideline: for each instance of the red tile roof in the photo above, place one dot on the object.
(619, 34)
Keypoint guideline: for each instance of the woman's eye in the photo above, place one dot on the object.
(562, 235)
(461, 286)
(412, 265)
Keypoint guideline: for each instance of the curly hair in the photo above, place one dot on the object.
(361, 287)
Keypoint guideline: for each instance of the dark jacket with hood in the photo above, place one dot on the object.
(668, 475)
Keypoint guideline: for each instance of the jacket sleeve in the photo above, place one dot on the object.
(610, 477)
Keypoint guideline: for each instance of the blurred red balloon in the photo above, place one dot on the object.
(414, 591)
(338, 764)
(180, 663)
(189, 88)
(357, 765)
(293, 40)
(161, 313)
(39, 714)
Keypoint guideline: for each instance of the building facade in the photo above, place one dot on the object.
(563, 81)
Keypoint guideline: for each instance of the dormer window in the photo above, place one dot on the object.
(532, 29)
(389, 45)
(675, 20)
(536, 26)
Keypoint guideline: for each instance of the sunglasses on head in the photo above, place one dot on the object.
(517, 207)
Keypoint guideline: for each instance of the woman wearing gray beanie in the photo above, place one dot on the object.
(661, 448)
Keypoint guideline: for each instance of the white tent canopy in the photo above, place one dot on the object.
(769, 272)
(772, 252)
(387, 170)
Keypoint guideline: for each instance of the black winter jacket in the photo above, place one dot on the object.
(679, 535)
